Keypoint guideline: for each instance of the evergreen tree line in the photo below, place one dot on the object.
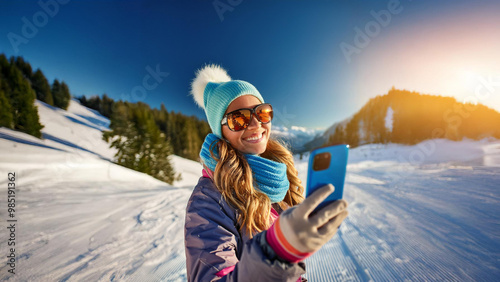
(17, 97)
(145, 138)
(416, 117)
(184, 133)
(141, 145)
(57, 94)
(103, 105)
(19, 87)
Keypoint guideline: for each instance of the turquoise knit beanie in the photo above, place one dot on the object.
(213, 90)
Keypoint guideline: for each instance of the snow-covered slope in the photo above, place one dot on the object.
(78, 129)
(81, 217)
(427, 212)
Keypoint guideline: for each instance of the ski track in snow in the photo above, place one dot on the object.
(438, 225)
(98, 235)
(82, 218)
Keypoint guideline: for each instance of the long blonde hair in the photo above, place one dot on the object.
(233, 177)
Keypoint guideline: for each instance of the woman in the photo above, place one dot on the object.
(247, 219)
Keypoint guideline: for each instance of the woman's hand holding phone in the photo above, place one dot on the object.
(305, 232)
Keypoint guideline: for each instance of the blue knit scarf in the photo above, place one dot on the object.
(270, 176)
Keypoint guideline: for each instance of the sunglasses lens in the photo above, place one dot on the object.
(264, 113)
(239, 120)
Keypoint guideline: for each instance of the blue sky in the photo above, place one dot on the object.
(290, 50)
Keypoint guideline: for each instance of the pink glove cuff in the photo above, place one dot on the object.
(280, 245)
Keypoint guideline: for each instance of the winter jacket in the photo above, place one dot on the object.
(217, 251)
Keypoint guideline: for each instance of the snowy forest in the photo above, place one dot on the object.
(406, 117)
(125, 225)
(145, 137)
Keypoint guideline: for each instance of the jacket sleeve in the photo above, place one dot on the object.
(211, 242)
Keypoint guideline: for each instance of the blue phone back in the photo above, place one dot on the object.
(334, 174)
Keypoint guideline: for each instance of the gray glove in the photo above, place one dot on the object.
(299, 234)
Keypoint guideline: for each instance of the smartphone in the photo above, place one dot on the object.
(327, 165)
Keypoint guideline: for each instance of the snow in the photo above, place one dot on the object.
(389, 119)
(362, 132)
(425, 212)
(432, 219)
(83, 134)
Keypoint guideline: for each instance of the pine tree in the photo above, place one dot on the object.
(4, 73)
(60, 94)
(122, 134)
(23, 66)
(42, 87)
(352, 132)
(65, 96)
(173, 125)
(141, 145)
(5, 111)
(83, 100)
(192, 141)
(106, 106)
(22, 98)
(6, 118)
(55, 91)
(338, 137)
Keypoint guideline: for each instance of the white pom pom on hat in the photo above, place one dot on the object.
(213, 91)
(209, 73)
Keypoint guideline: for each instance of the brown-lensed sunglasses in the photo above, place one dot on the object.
(240, 119)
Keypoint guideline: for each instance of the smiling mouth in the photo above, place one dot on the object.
(255, 139)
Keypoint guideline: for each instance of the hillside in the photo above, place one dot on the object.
(83, 218)
(406, 117)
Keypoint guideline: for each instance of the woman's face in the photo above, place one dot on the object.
(238, 139)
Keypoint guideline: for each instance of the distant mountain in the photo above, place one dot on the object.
(322, 138)
(295, 136)
(405, 117)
